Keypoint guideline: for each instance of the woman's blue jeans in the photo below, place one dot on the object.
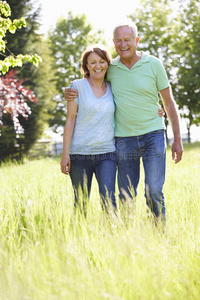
(81, 172)
(151, 147)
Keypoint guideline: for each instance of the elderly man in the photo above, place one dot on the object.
(136, 79)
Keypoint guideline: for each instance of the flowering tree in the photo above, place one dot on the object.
(13, 96)
(13, 100)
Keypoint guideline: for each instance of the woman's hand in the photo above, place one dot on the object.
(65, 164)
(161, 112)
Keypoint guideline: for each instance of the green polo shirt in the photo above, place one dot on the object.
(136, 95)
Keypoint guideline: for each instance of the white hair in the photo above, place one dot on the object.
(127, 23)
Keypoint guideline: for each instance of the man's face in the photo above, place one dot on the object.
(125, 42)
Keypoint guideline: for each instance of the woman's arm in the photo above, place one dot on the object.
(72, 108)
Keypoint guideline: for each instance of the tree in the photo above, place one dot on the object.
(67, 42)
(13, 99)
(40, 79)
(153, 19)
(174, 37)
(186, 45)
(13, 106)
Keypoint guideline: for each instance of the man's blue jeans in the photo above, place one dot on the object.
(151, 147)
(103, 166)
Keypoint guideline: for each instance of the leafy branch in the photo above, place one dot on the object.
(7, 25)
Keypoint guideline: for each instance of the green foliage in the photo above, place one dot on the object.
(7, 25)
(67, 42)
(40, 79)
(153, 19)
(5, 9)
(186, 45)
(7, 140)
(18, 61)
(173, 36)
(48, 253)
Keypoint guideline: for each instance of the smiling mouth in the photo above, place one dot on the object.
(98, 71)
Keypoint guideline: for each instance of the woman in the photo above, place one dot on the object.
(88, 140)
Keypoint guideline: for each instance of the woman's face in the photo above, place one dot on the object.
(97, 66)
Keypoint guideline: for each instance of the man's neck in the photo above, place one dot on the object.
(129, 63)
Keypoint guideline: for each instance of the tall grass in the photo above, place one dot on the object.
(46, 252)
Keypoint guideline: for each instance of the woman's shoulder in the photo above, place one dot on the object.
(109, 87)
(108, 84)
(78, 83)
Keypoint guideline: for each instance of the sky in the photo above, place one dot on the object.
(103, 14)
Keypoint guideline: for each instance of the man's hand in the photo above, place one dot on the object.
(70, 94)
(177, 151)
(171, 109)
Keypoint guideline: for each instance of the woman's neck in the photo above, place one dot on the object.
(99, 87)
(96, 83)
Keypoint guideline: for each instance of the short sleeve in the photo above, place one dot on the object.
(73, 85)
(162, 79)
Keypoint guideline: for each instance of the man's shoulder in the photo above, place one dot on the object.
(150, 58)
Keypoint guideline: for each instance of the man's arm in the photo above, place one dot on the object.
(170, 107)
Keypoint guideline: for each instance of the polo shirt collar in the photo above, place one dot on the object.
(116, 61)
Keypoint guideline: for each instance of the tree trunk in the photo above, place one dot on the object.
(188, 134)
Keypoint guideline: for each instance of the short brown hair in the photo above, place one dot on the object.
(99, 50)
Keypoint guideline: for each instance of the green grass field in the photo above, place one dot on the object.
(47, 253)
